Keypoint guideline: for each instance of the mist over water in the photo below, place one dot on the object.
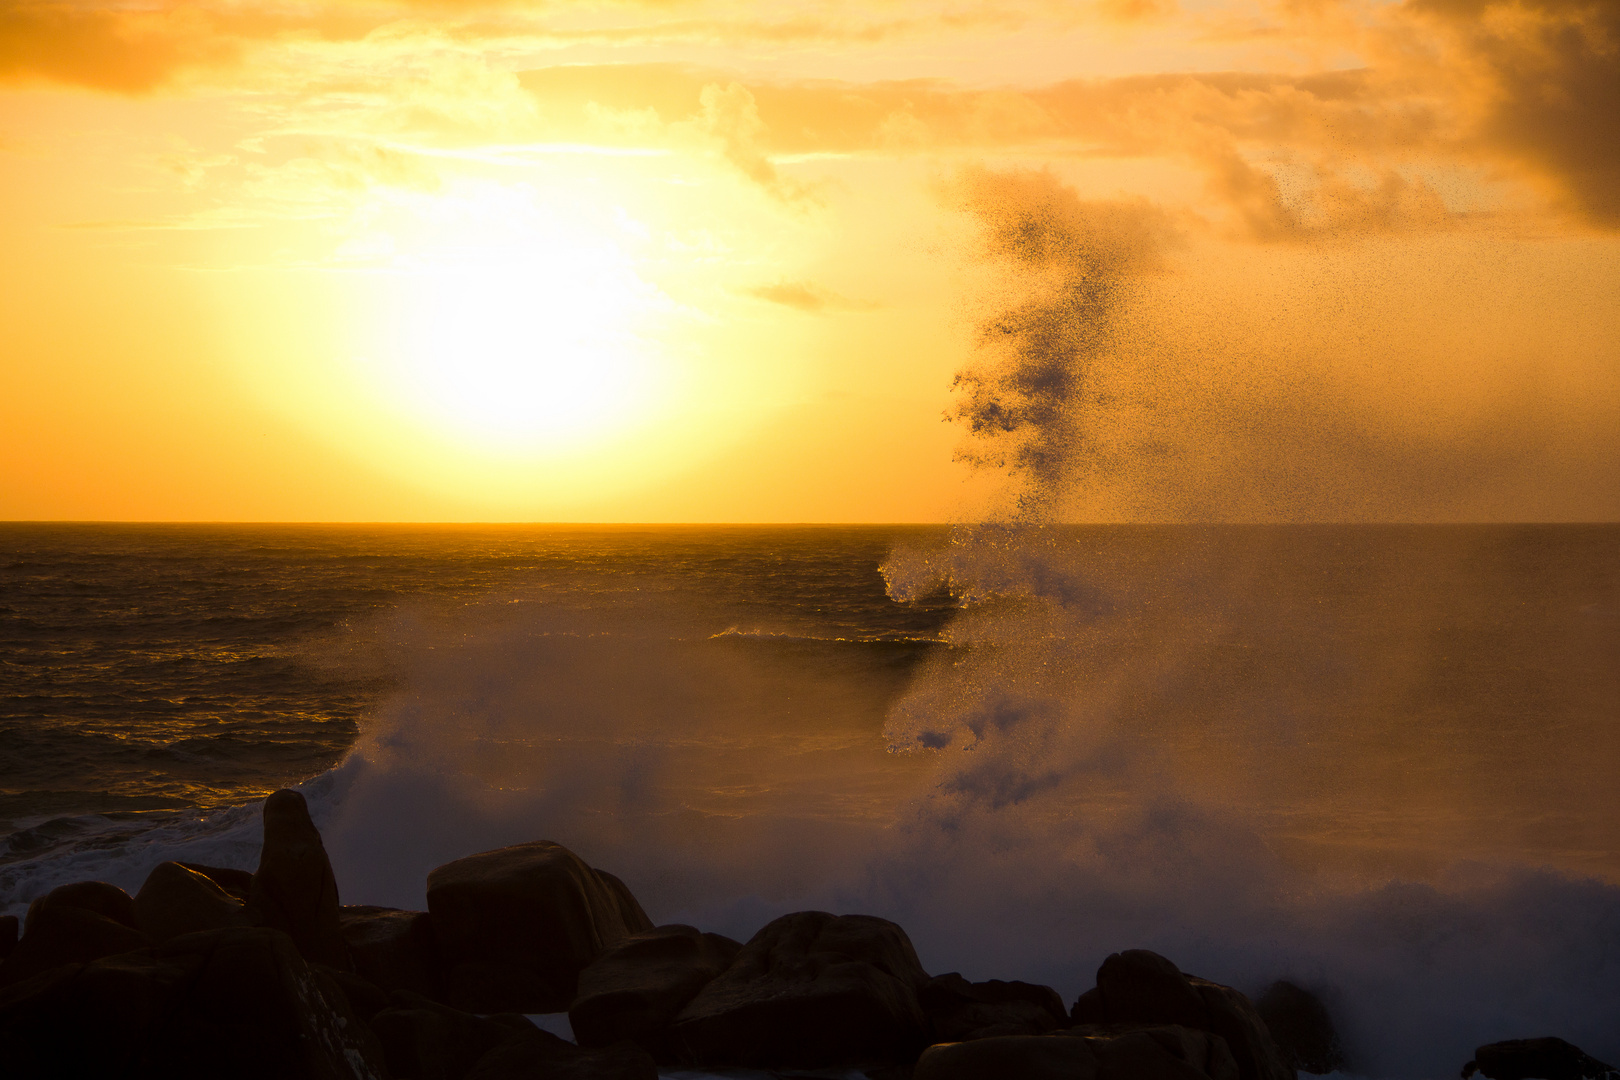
(1323, 754)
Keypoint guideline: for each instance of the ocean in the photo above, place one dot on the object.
(1380, 761)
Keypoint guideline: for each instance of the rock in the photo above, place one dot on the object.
(1542, 1059)
(1142, 987)
(239, 1002)
(425, 1040)
(365, 998)
(392, 948)
(175, 900)
(239, 883)
(541, 1054)
(515, 927)
(108, 901)
(8, 935)
(293, 889)
(61, 932)
(1300, 1025)
(958, 1010)
(810, 990)
(1088, 1008)
(1095, 1053)
(636, 987)
(1026, 1057)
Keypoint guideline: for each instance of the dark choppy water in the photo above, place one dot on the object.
(1380, 760)
(156, 667)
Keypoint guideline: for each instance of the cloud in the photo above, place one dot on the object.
(730, 116)
(807, 297)
(106, 48)
(1440, 93)
(1548, 84)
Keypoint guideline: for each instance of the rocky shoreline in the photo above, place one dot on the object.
(222, 973)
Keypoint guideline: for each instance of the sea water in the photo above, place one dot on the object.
(1380, 761)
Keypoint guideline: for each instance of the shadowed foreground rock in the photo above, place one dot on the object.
(635, 988)
(1537, 1059)
(293, 889)
(539, 1054)
(73, 924)
(8, 935)
(811, 989)
(392, 948)
(1093, 1053)
(424, 1040)
(958, 1010)
(515, 927)
(176, 900)
(1301, 1027)
(1141, 987)
(239, 883)
(239, 1003)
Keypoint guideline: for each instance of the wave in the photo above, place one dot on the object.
(784, 636)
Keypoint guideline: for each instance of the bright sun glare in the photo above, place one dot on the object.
(520, 327)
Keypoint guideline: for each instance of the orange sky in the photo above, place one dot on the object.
(694, 260)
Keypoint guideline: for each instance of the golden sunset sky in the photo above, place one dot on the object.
(702, 260)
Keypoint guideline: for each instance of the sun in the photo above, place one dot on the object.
(521, 327)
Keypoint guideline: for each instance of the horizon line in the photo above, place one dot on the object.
(469, 523)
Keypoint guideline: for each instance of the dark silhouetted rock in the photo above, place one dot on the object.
(635, 988)
(239, 883)
(293, 889)
(425, 1040)
(1094, 1053)
(1088, 1008)
(1301, 1027)
(60, 933)
(108, 901)
(365, 997)
(1138, 986)
(8, 935)
(515, 927)
(239, 1003)
(958, 1010)
(541, 1054)
(1142, 987)
(1003, 1057)
(175, 901)
(1537, 1059)
(810, 990)
(392, 948)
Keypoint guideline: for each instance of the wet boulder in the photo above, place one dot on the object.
(810, 990)
(516, 926)
(1122, 1052)
(239, 1002)
(239, 883)
(293, 889)
(366, 998)
(103, 898)
(1301, 1027)
(1537, 1059)
(424, 1040)
(958, 1010)
(392, 948)
(635, 988)
(1027, 1057)
(1142, 987)
(175, 900)
(541, 1054)
(73, 924)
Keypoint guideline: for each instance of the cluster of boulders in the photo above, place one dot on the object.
(215, 972)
